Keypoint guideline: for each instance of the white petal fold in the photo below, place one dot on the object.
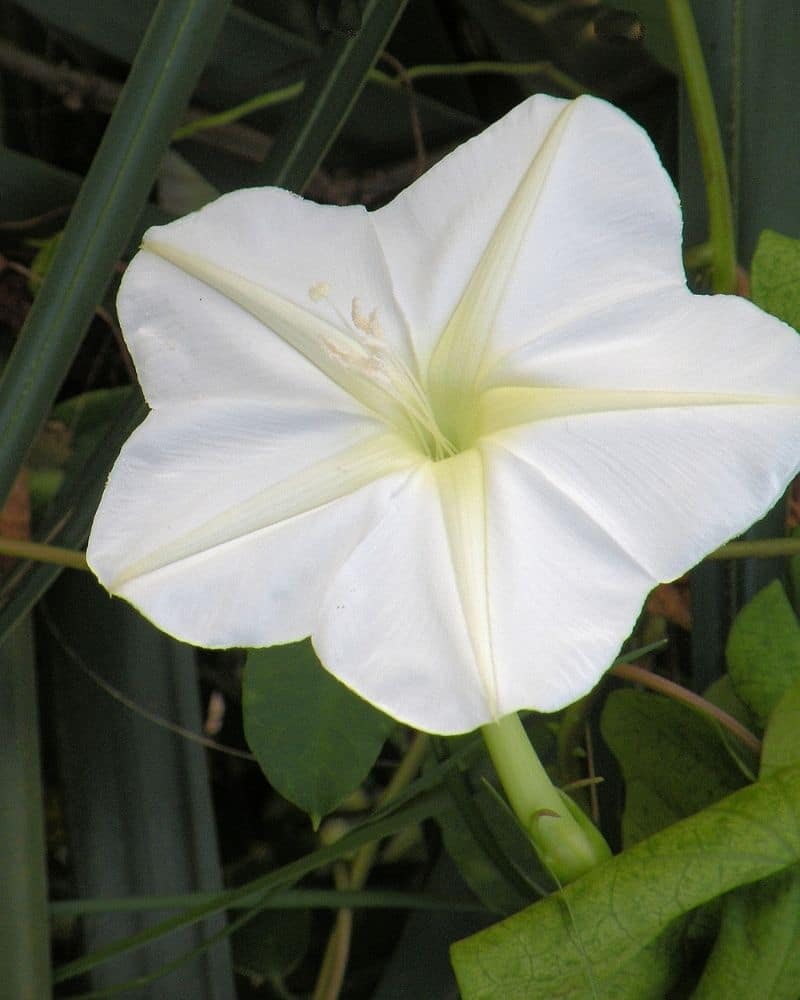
(191, 343)
(667, 485)
(395, 625)
(563, 593)
(246, 512)
(602, 222)
(315, 258)
(663, 341)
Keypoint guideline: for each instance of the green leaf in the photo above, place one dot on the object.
(160, 82)
(722, 694)
(481, 858)
(272, 944)
(332, 86)
(313, 737)
(756, 954)
(592, 935)
(775, 276)
(763, 650)
(672, 759)
(782, 738)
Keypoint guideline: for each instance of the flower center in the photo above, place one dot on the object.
(365, 352)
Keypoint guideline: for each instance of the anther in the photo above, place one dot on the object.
(319, 291)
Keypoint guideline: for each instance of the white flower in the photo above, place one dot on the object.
(456, 440)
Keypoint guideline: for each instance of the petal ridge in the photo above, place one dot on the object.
(312, 488)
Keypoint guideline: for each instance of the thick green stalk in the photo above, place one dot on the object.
(722, 239)
(568, 844)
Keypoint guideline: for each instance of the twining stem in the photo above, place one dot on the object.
(334, 962)
(639, 675)
(722, 239)
(568, 844)
(19, 549)
(288, 93)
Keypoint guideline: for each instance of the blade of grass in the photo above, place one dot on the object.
(158, 88)
(422, 808)
(289, 899)
(24, 933)
(332, 86)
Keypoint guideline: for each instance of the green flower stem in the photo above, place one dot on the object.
(722, 240)
(19, 549)
(568, 844)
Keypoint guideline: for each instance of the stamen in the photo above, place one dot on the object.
(371, 357)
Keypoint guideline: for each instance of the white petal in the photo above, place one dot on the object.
(316, 258)
(668, 341)
(393, 624)
(668, 485)
(192, 343)
(223, 523)
(563, 594)
(604, 221)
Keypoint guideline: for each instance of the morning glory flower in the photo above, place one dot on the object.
(456, 440)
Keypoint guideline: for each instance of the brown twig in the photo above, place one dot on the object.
(76, 87)
(639, 675)
(337, 951)
(590, 768)
(413, 112)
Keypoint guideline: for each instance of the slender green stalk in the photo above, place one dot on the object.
(541, 67)
(281, 95)
(258, 103)
(35, 551)
(722, 239)
(565, 839)
(760, 548)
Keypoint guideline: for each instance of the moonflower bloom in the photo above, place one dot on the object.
(456, 440)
